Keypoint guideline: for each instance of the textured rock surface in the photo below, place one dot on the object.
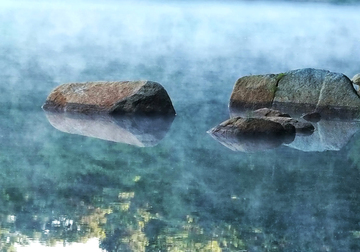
(141, 131)
(304, 128)
(299, 92)
(253, 92)
(356, 79)
(284, 119)
(268, 113)
(251, 134)
(144, 97)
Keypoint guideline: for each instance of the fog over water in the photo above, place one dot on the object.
(188, 192)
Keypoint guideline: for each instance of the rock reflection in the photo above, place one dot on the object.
(328, 135)
(141, 131)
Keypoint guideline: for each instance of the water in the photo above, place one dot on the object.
(63, 192)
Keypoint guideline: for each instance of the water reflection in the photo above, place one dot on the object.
(285, 200)
(141, 131)
(328, 135)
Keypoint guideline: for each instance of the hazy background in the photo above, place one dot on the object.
(189, 192)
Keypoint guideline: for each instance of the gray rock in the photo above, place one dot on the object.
(356, 79)
(284, 119)
(133, 97)
(268, 113)
(252, 134)
(298, 92)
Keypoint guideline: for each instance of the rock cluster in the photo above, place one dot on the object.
(262, 129)
(298, 92)
(313, 97)
(260, 108)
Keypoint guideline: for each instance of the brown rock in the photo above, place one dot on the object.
(304, 128)
(251, 134)
(268, 113)
(253, 92)
(301, 127)
(134, 97)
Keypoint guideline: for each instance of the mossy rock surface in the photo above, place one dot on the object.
(298, 92)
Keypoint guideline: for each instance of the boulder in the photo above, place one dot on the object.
(120, 97)
(303, 128)
(284, 119)
(298, 92)
(356, 79)
(252, 134)
(253, 92)
(356, 82)
(268, 113)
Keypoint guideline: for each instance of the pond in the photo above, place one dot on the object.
(180, 190)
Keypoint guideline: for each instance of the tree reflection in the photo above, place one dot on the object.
(186, 194)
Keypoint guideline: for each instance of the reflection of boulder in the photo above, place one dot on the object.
(252, 134)
(328, 135)
(142, 131)
(144, 97)
(297, 92)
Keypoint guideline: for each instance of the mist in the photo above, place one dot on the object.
(196, 50)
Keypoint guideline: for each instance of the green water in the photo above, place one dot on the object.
(188, 192)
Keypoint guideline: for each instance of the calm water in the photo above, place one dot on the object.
(187, 192)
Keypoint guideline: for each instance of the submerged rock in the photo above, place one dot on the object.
(356, 79)
(356, 82)
(304, 128)
(298, 92)
(252, 134)
(284, 119)
(137, 130)
(268, 113)
(133, 97)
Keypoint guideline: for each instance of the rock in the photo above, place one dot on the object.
(304, 128)
(137, 130)
(298, 92)
(268, 113)
(133, 97)
(284, 119)
(251, 134)
(356, 82)
(356, 79)
(253, 92)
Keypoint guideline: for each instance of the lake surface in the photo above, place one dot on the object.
(184, 191)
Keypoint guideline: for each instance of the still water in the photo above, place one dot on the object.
(184, 191)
